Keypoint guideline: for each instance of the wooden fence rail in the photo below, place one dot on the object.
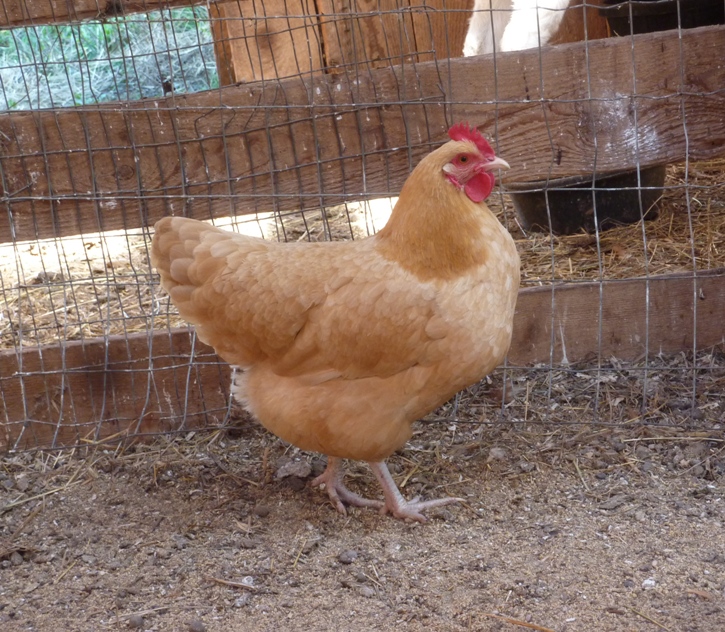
(146, 383)
(606, 106)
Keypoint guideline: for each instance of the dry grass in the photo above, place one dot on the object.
(100, 285)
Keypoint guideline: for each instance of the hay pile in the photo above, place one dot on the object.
(100, 285)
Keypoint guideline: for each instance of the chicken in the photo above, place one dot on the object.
(508, 25)
(343, 345)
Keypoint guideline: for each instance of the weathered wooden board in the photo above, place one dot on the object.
(87, 391)
(144, 384)
(440, 27)
(300, 143)
(581, 21)
(372, 33)
(25, 12)
(639, 317)
(266, 39)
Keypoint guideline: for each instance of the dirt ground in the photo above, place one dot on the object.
(582, 514)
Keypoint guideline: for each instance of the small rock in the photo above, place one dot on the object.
(16, 559)
(300, 469)
(442, 514)
(525, 466)
(22, 483)
(649, 583)
(496, 454)
(261, 510)
(180, 542)
(248, 543)
(196, 625)
(615, 501)
(242, 600)
(136, 621)
(347, 557)
(361, 577)
(628, 583)
(88, 559)
(366, 591)
(8, 484)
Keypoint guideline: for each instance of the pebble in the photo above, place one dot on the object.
(366, 591)
(615, 501)
(16, 559)
(347, 557)
(649, 583)
(242, 600)
(300, 469)
(496, 454)
(135, 621)
(22, 483)
(196, 625)
(247, 543)
(261, 510)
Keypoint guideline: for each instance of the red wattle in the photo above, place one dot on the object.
(479, 187)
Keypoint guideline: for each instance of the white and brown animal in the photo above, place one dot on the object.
(509, 25)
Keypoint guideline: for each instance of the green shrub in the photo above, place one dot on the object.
(124, 58)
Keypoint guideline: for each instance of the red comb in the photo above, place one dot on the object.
(462, 131)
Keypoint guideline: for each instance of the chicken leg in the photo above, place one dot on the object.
(331, 478)
(396, 505)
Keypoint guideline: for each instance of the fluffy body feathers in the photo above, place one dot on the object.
(343, 345)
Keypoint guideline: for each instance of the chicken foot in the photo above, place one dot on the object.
(396, 505)
(331, 478)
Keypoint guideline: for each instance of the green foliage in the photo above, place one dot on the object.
(125, 58)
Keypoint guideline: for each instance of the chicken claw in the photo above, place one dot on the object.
(396, 505)
(331, 478)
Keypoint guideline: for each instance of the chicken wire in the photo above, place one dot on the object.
(84, 327)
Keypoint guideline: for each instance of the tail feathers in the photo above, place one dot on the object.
(189, 255)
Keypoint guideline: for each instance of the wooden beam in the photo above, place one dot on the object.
(266, 39)
(87, 391)
(33, 12)
(603, 106)
(151, 383)
(561, 324)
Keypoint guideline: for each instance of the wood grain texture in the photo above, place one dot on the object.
(302, 143)
(25, 12)
(146, 384)
(87, 391)
(440, 27)
(562, 323)
(581, 22)
(266, 39)
(372, 33)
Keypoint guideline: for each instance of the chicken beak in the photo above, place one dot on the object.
(496, 163)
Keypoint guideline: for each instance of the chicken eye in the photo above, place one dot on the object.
(463, 159)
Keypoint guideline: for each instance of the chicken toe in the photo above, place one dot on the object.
(396, 505)
(340, 495)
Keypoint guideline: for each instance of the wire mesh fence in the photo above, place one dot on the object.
(299, 120)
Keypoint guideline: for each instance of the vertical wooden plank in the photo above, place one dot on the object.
(267, 39)
(376, 32)
(440, 28)
(222, 46)
(579, 14)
